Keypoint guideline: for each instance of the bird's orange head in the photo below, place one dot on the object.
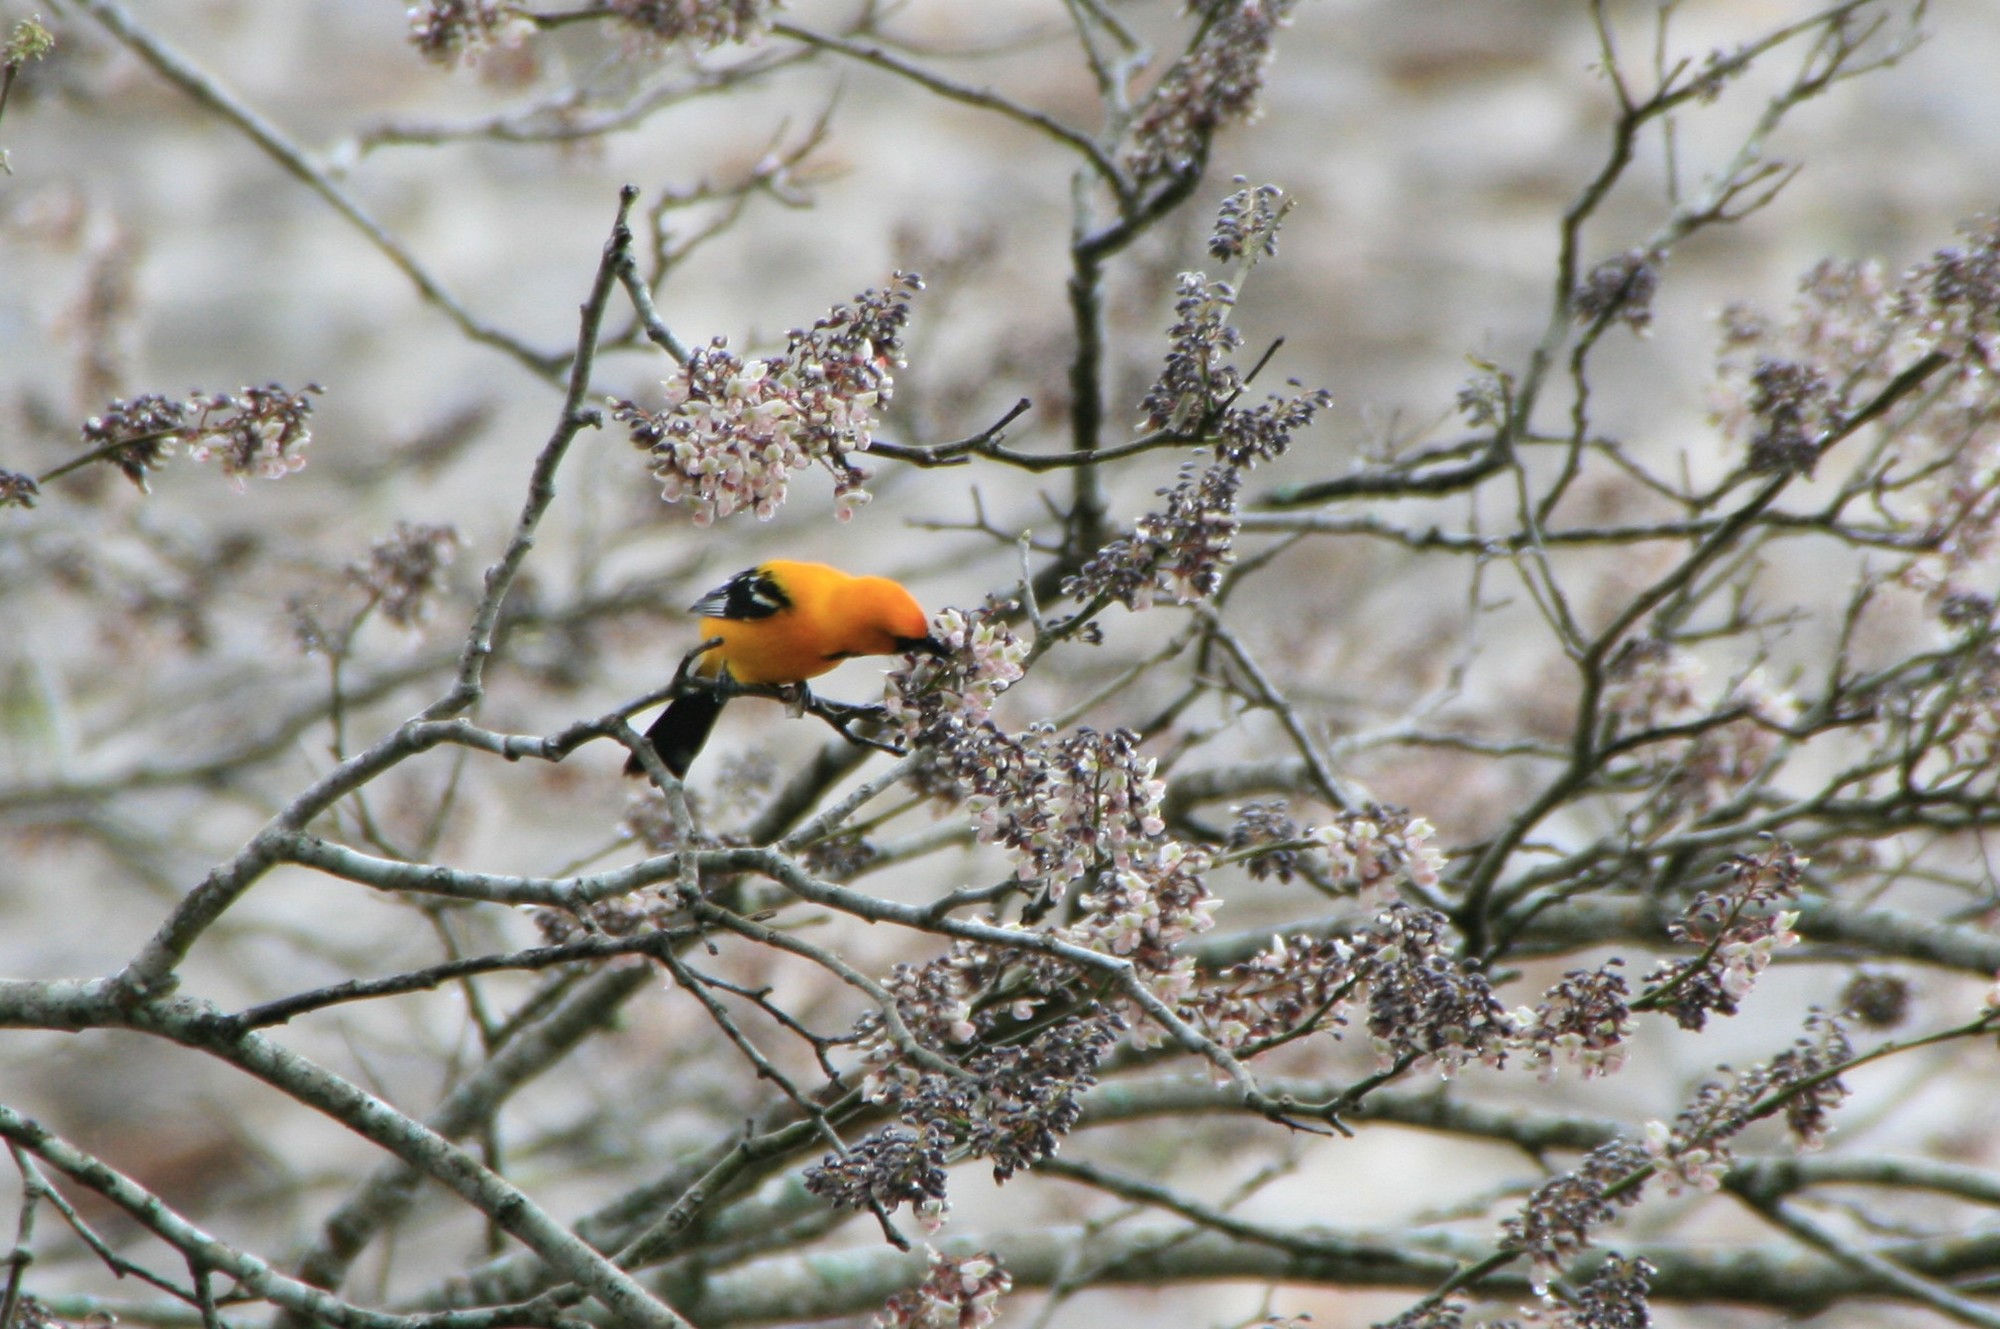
(886, 618)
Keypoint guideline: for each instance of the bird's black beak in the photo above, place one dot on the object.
(925, 646)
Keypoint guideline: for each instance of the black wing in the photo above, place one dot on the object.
(751, 593)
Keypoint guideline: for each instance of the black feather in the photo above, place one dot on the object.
(681, 729)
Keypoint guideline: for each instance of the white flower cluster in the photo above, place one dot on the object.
(1375, 848)
(986, 659)
(1425, 1003)
(1592, 1056)
(1742, 958)
(1685, 1166)
(734, 430)
(266, 451)
(1143, 911)
(1584, 1020)
(1084, 798)
(959, 1294)
(1062, 804)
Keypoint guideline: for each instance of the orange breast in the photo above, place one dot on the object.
(779, 649)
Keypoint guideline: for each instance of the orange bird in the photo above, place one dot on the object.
(778, 623)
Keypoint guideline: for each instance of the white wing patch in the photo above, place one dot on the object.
(751, 593)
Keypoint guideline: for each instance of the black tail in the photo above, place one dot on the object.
(681, 730)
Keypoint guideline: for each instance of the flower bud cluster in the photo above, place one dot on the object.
(1011, 1103)
(734, 429)
(1175, 556)
(1954, 297)
(702, 23)
(18, 490)
(1364, 851)
(1378, 846)
(1736, 931)
(1199, 378)
(1425, 1003)
(1621, 287)
(405, 571)
(1063, 804)
(1246, 225)
(1293, 984)
(1556, 1222)
(1694, 1151)
(959, 1293)
(254, 431)
(447, 31)
(1582, 1019)
(1144, 910)
(1217, 81)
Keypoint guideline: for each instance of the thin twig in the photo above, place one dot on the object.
(190, 79)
